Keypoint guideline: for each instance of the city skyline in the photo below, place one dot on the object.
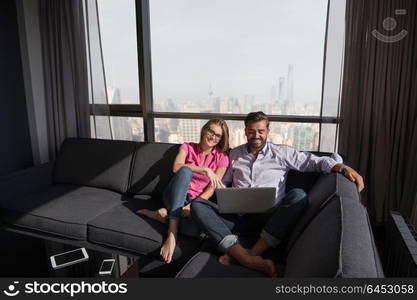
(194, 43)
(302, 136)
(236, 59)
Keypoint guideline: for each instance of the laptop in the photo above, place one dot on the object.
(245, 200)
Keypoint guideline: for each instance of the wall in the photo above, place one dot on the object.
(16, 149)
(19, 255)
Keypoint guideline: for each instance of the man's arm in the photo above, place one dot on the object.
(227, 178)
(308, 162)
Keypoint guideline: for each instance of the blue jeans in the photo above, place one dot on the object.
(175, 197)
(223, 229)
(175, 194)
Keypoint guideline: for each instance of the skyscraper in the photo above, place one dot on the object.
(210, 94)
(119, 125)
(281, 96)
(290, 83)
(210, 91)
(273, 93)
(281, 90)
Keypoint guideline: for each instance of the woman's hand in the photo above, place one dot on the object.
(215, 180)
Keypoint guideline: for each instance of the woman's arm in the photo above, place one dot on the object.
(180, 162)
(206, 194)
(209, 191)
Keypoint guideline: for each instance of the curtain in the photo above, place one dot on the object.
(65, 69)
(100, 119)
(413, 219)
(378, 131)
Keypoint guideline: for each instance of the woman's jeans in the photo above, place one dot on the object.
(223, 229)
(175, 197)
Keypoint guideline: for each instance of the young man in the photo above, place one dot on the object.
(262, 164)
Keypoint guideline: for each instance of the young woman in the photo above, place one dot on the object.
(199, 168)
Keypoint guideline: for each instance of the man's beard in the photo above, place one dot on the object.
(258, 146)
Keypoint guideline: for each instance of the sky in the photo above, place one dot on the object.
(241, 47)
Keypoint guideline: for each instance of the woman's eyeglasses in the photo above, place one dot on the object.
(211, 133)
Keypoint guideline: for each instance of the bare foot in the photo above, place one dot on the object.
(159, 215)
(167, 249)
(226, 259)
(260, 264)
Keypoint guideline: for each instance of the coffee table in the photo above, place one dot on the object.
(124, 267)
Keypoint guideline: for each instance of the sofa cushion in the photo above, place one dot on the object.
(153, 266)
(277, 254)
(338, 241)
(94, 162)
(152, 168)
(122, 227)
(324, 189)
(316, 253)
(62, 210)
(205, 264)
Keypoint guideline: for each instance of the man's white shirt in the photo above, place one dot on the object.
(270, 167)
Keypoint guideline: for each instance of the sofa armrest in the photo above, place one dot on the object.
(327, 186)
(27, 181)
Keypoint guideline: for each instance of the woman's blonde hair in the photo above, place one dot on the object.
(223, 144)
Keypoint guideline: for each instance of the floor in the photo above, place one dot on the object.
(22, 256)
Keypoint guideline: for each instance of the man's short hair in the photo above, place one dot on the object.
(257, 116)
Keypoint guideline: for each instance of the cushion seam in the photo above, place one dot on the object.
(375, 251)
(189, 262)
(67, 222)
(121, 232)
(339, 271)
(131, 165)
(118, 247)
(51, 232)
(334, 193)
(48, 218)
(322, 206)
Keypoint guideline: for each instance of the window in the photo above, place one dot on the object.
(178, 130)
(238, 56)
(118, 128)
(201, 59)
(111, 41)
(112, 44)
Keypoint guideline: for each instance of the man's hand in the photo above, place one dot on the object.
(350, 174)
(354, 176)
(186, 210)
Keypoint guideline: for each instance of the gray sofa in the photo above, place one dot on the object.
(332, 239)
(89, 195)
